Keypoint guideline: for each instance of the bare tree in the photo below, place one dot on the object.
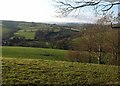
(65, 7)
(106, 19)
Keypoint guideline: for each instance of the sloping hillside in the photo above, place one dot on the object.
(44, 72)
(34, 53)
(8, 29)
(32, 34)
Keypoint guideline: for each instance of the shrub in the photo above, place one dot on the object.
(78, 56)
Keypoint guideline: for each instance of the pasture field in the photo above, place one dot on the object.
(0, 31)
(34, 53)
(4, 30)
(28, 34)
(56, 73)
(40, 66)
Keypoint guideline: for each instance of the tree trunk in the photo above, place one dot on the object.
(100, 54)
(112, 56)
(116, 58)
(89, 55)
(118, 49)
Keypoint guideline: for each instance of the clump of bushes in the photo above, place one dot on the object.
(77, 56)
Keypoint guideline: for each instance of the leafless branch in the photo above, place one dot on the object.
(65, 7)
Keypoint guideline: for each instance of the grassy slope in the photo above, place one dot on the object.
(8, 29)
(0, 30)
(31, 71)
(27, 34)
(22, 66)
(5, 31)
(34, 53)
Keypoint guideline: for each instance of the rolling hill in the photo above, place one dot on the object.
(34, 53)
(33, 34)
(17, 71)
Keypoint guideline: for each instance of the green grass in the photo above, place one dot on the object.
(5, 31)
(56, 73)
(0, 28)
(0, 31)
(40, 66)
(34, 53)
(27, 34)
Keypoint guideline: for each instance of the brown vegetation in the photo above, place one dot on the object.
(100, 45)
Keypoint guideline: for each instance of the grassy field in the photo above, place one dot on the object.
(28, 34)
(5, 31)
(34, 53)
(25, 65)
(56, 73)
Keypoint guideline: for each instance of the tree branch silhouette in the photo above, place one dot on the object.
(65, 7)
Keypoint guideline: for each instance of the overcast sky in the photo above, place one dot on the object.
(38, 11)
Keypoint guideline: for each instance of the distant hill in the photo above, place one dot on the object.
(21, 33)
(8, 28)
